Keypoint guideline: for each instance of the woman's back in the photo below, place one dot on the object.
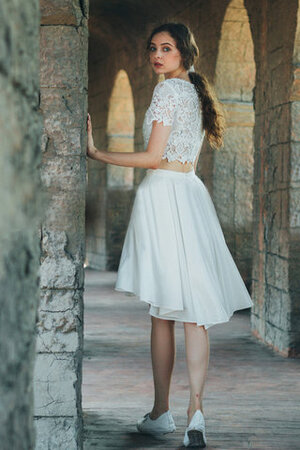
(175, 102)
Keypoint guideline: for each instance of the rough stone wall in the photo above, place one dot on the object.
(276, 237)
(58, 369)
(294, 198)
(21, 209)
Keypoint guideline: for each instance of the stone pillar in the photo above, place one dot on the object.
(58, 369)
(21, 207)
(275, 288)
(294, 198)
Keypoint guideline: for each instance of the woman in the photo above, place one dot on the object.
(175, 256)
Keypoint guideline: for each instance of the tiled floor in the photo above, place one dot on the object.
(251, 396)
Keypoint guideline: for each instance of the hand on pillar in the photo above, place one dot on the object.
(91, 150)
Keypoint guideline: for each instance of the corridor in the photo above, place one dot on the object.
(63, 212)
(251, 396)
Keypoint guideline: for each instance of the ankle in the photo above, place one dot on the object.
(193, 408)
(157, 411)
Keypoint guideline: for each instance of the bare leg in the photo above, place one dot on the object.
(163, 357)
(197, 357)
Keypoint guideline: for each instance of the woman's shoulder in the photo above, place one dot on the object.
(178, 86)
(164, 86)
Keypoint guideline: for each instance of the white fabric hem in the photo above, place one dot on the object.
(206, 325)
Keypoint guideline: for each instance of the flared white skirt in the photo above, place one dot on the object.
(175, 257)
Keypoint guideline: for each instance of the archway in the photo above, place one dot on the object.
(120, 180)
(109, 186)
(233, 165)
(120, 130)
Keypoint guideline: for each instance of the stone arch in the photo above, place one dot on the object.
(233, 164)
(111, 187)
(120, 132)
(120, 129)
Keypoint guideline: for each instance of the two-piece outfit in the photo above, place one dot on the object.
(174, 256)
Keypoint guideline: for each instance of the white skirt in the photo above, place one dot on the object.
(175, 257)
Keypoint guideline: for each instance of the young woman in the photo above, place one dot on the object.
(175, 256)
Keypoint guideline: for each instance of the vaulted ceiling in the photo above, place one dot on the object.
(127, 19)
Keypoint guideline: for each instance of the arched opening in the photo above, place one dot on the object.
(233, 165)
(120, 129)
(120, 180)
(110, 186)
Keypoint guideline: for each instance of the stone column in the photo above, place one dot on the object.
(21, 207)
(275, 315)
(294, 198)
(58, 369)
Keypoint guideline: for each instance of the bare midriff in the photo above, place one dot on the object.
(176, 165)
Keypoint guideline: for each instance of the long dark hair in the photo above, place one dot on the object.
(213, 120)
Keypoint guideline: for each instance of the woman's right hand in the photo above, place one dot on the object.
(90, 145)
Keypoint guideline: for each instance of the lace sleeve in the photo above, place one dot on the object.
(163, 104)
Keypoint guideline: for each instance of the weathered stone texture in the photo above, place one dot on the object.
(65, 67)
(62, 106)
(63, 12)
(59, 326)
(56, 433)
(59, 321)
(274, 320)
(58, 372)
(21, 211)
(58, 269)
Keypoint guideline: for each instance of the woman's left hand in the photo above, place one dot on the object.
(90, 144)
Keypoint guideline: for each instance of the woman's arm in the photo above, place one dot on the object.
(150, 158)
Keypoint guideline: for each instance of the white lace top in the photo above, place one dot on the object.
(175, 102)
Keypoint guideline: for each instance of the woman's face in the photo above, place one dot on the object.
(164, 56)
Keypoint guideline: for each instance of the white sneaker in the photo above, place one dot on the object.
(162, 425)
(194, 435)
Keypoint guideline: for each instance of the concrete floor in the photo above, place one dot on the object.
(251, 396)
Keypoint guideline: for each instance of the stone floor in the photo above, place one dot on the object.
(251, 396)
